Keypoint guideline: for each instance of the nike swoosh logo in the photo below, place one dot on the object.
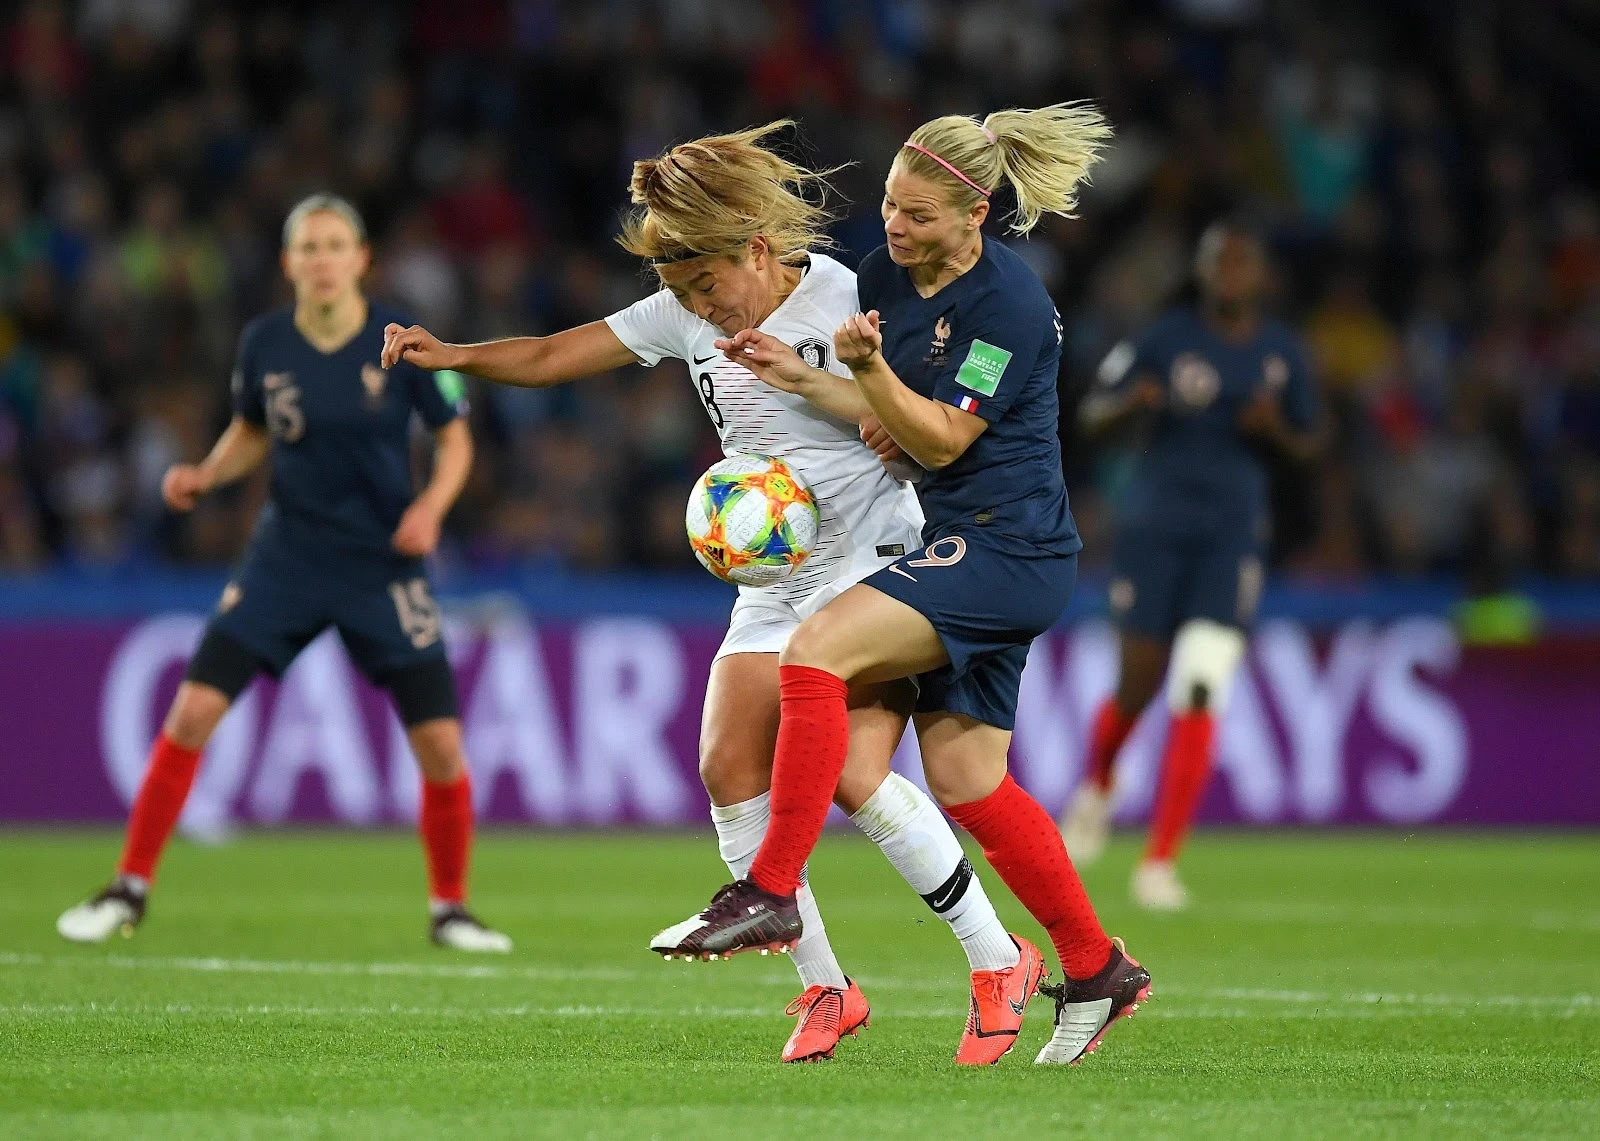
(702, 360)
(900, 570)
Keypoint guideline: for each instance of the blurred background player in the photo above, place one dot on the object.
(340, 544)
(956, 357)
(728, 228)
(1222, 390)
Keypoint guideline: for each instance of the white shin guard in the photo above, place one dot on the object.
(917, 840)
(740, 828)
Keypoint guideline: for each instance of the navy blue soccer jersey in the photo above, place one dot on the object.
(1198, 472)
(988, 343)
(340, 427)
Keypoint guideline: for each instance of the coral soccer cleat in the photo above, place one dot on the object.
(827, 1014)
(998, 1001)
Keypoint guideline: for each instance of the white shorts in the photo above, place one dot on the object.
(761, 621)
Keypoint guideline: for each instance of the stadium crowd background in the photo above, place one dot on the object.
(1417, 166)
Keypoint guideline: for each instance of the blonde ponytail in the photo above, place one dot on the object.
(712, 195)
(1043, 153)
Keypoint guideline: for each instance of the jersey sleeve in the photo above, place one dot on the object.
(439, 397)
(992, 358)
(246, 383)
(654, 327)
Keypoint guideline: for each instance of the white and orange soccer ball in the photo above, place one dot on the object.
(752, 520)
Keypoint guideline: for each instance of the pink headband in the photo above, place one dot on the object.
(924, 150)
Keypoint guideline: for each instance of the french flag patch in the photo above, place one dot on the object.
(967, 404)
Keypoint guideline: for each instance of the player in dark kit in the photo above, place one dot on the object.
(340, 543)
(957, 356)
(1218, 384)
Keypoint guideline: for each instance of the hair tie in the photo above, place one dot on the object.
(947, 166)
(987, 133)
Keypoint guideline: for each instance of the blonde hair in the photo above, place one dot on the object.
(712, 195)
(1043, 153)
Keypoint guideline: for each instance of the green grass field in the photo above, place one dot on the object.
(282, 986)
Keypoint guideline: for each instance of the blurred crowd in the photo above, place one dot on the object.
(1418, 168)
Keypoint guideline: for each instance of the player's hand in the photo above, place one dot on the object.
(876, 437)
(415, 345)
(418, 533)
(183, 485)
(858, 340)
(1147, 395)
(772, 361)
(1263, 416)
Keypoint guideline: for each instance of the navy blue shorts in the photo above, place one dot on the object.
(1161, 580)
(281, 599)
(987, 605)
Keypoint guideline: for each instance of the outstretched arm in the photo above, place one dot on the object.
(237, 452)
(775, 363)
(933, 433)
(528, 362)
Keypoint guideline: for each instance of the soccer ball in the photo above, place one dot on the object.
(751, 520)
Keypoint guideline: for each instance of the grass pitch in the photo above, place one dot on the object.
(282, 986)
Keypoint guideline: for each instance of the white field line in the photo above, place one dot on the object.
(1568, 1004)
(1343, 914)
(952, 1014)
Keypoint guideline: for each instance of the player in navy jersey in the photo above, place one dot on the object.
(734, 233)
(1219, 386)
(957, 356)
(340, 543)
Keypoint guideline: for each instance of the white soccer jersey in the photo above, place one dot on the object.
(868, 518)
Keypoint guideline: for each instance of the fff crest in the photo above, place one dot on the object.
(373, 380)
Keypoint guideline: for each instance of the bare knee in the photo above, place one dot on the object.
(194, 714)
(808, 645)
(1144, 664)
(732, 775)
(437, 746)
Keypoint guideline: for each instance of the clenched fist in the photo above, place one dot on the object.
(183, 485)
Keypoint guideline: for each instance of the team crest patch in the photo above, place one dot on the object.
(231, 594)
(813, 352)
(373, 379)
(942, 332)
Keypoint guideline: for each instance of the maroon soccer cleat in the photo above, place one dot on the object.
(741, 917)
(1086, 1008)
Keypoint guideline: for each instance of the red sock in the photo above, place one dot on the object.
(1024, 846)
(1111, 729)
(446, 826)
(813, 738)
(156, 809)
(1185, 767)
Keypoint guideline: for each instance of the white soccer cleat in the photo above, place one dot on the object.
(1086, 826)
(1156, 886)
(116, 909)
(458, 929)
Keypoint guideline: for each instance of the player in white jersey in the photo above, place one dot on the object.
(729, 229)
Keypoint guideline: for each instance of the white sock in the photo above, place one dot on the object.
(740, 828)
(916, 838)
